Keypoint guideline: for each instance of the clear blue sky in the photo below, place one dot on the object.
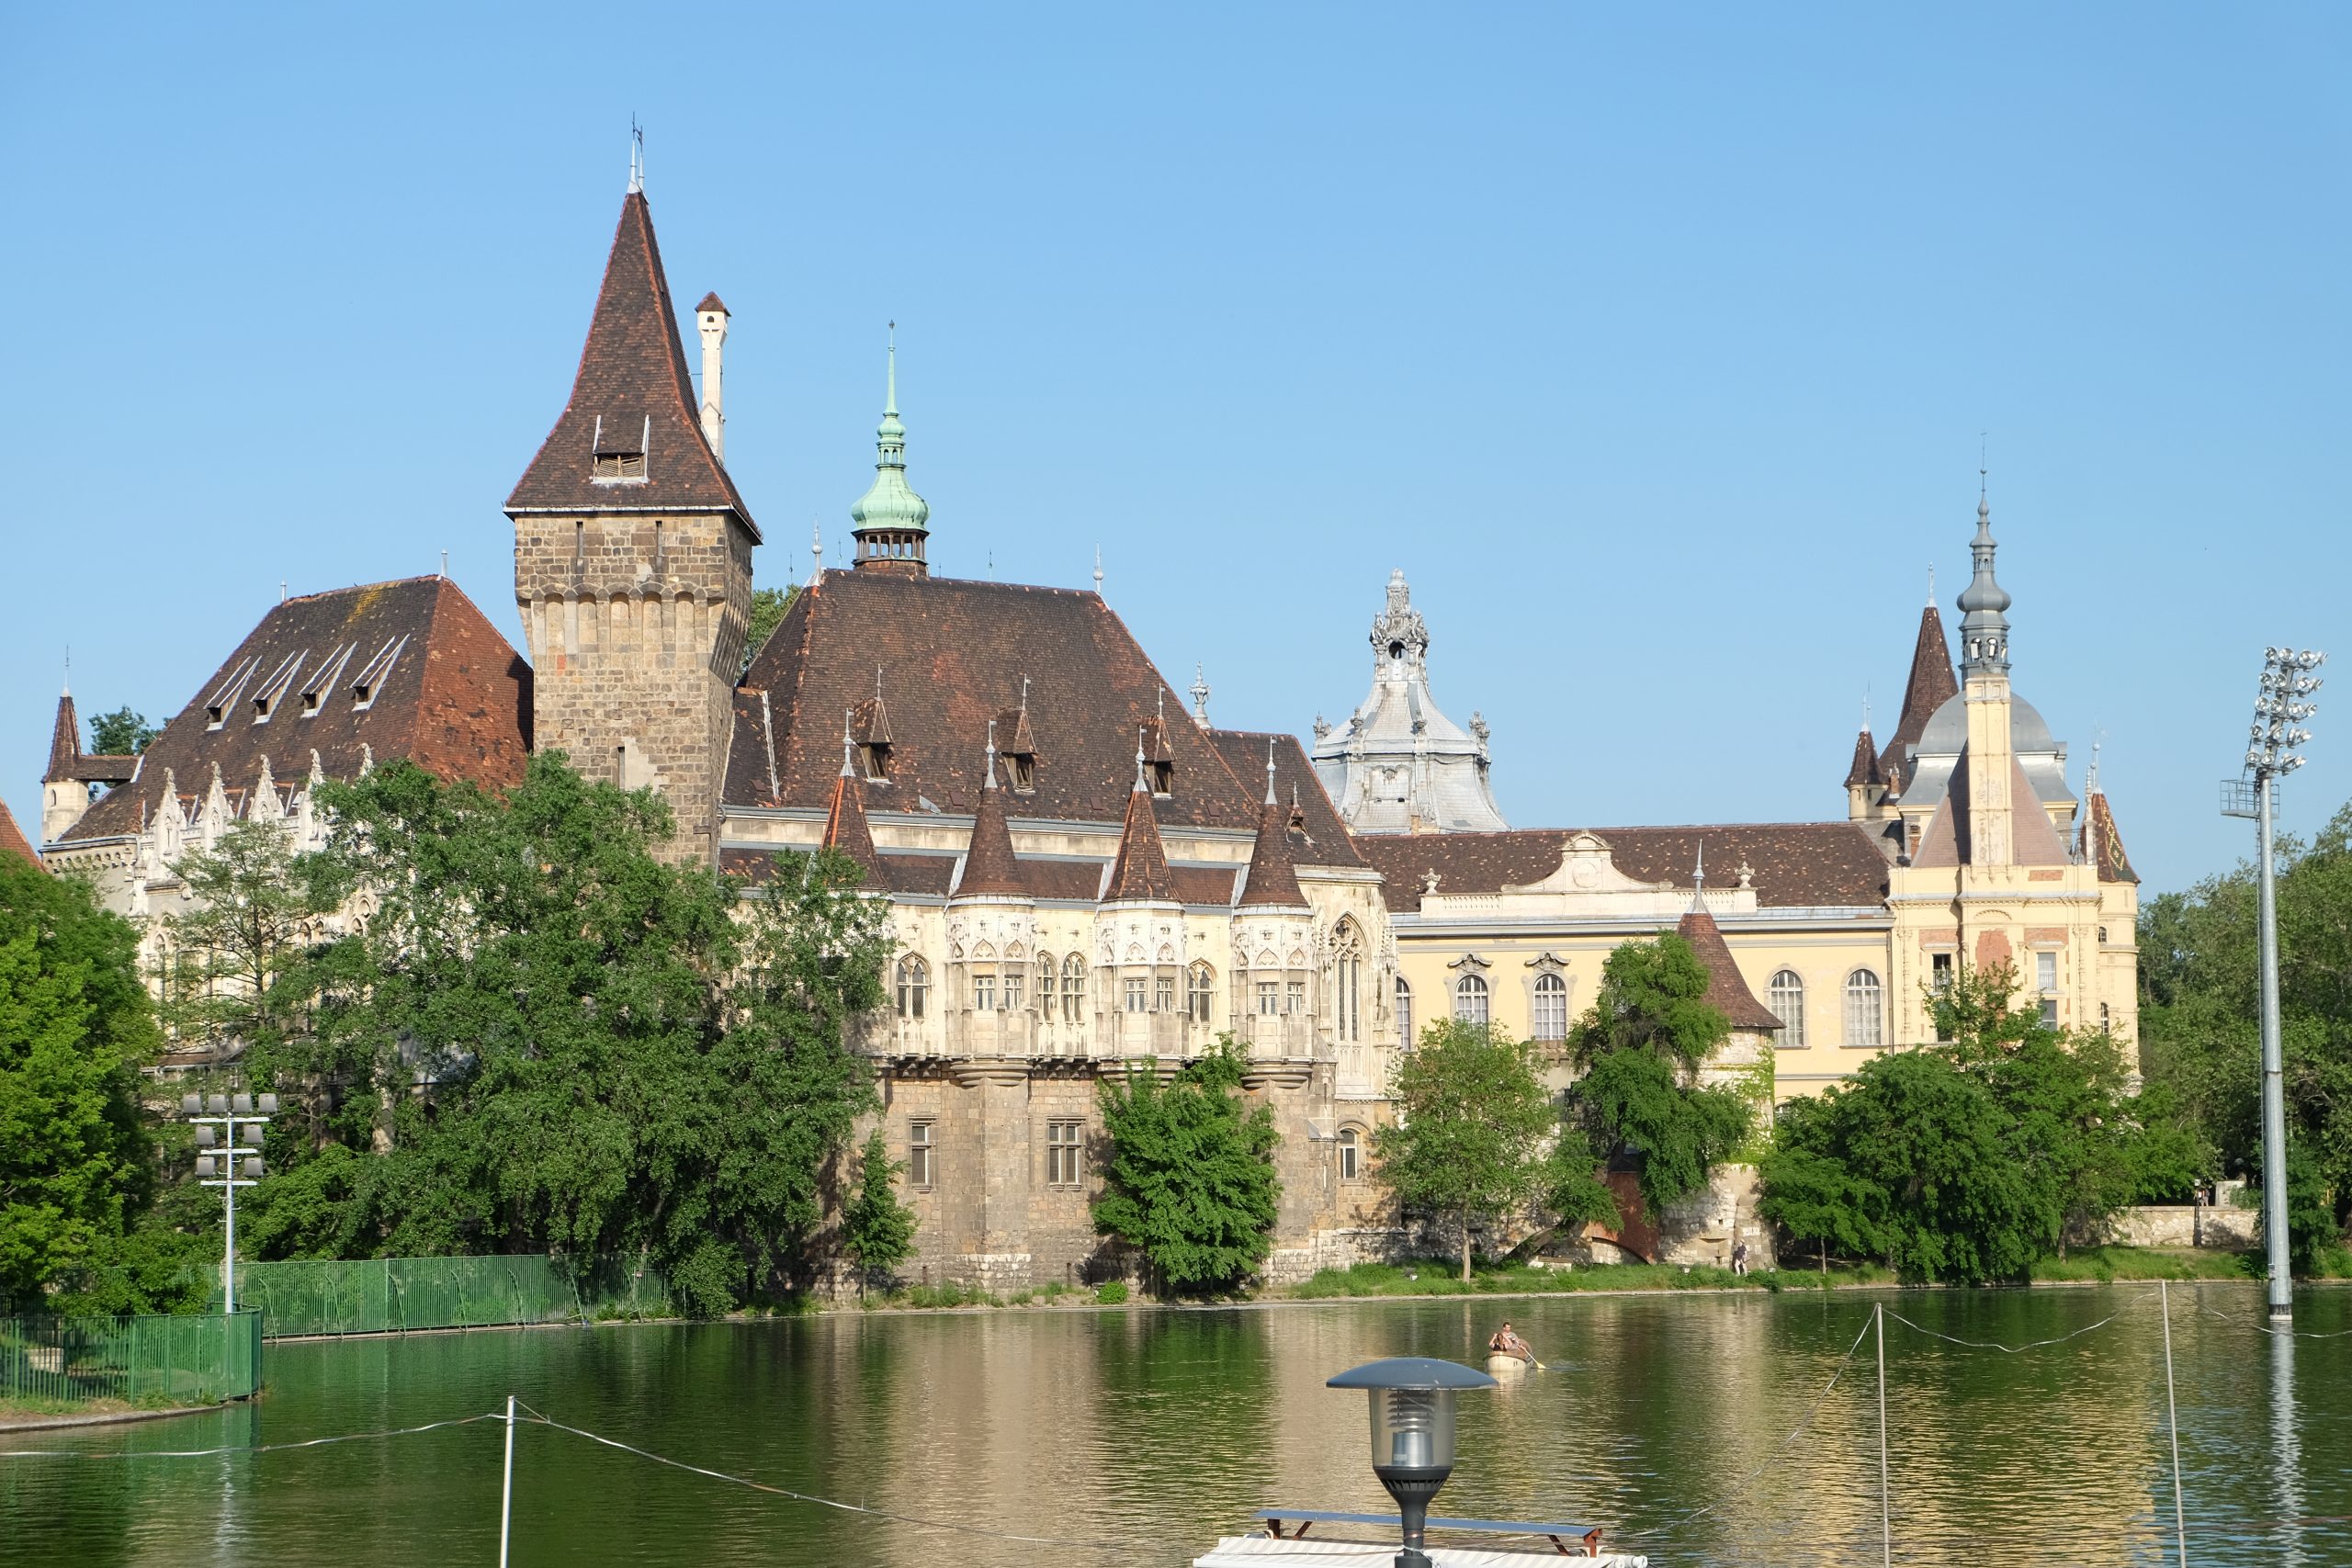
(1654, 344)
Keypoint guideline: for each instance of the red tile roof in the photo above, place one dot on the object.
(12, 838)
(67, 761)
(711, 302)
(632, 394)
(952, 655)
(2102, 845)
(989, 869)
(1727, 989)
(1141, 871)
(1273, 882)
(1793, 865)
(1931, 685)
(1864, 770)
(449, 693)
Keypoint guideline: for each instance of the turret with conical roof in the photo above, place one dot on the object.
(989, 869)
(846, 828)
(1140, 874)
(633, 555)
(891, 519)
(1273, 879)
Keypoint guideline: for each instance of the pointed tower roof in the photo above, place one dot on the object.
(989, 869)
(2100, 843)
(846, 826)
(632, 403)
(65, 743)
(1273, 882)
(891, 517)
(1140, 874)
(1727, 991)
(1864, 769)
(12, 838)
(1931, 685)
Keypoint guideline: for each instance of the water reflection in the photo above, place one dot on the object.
(1670, 1422)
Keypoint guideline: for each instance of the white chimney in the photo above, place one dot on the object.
(710, 320)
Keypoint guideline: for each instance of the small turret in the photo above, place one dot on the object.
(990, 871)
(1140, 874)
(1983, 628)
(711, 322)
(1273, 880)
(891, 519)
(846, 828)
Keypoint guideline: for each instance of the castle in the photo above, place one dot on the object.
(1080, 872)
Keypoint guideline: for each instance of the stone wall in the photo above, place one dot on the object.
(2222, 1226)
(635, 626)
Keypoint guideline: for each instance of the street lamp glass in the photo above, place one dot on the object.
(252, 1168)
(218, 1104)
(191, 1104)
(205, 1164)
(205, 1137)
(241, 1104)
(269, 1105)
(1412, 1430)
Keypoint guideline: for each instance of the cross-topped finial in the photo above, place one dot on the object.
(1159, 706)
(1024, 693)
(816, 551)
(989, 768)
(1269, 769)
(69, 670)
(636, 157)
(849, 746)
(1866, 710)
(1931, 582)
(1698, 872)
(1098, 569)
(2090, 781)
(1140, 788)
(878, 683)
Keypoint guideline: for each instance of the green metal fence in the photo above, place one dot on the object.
(139, 1361)
(388, 1295)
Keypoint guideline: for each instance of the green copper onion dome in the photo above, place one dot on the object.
(891, 517)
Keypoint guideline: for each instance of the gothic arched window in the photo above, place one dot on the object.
(1073, 988)
(1350, 1154)
(1349, 945)
(1470, 999)
(1404, 1013)
(1200, 993)
(1787, 1001)
(914, 981)
(1551, 1007)
(1865, 1009)
(1046, 972)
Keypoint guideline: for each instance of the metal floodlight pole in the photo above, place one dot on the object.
(2278, 712)
(229, 1113)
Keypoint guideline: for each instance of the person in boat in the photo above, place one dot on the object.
(1505, 1341)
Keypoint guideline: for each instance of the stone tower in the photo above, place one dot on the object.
(633, 553)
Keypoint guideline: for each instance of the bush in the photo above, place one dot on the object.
(1111, 1292)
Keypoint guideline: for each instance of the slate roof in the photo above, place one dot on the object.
(1796, 864)
(1932, 684)
(1727, 989)
(67, 761)
(12, 838)
(952, 654)
(446, 691)
(632, 394)
(846, 828)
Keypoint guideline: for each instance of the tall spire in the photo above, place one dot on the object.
(630, 439)
(891, 519)
(1983, 629)
(1931, 684)
(65, 743)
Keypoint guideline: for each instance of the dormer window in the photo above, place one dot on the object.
(1021, 768)
(216, 710)
(1163, 778)
(265, 700)
(873, 757)
(616, 461)
(370, 683)
(322, 679)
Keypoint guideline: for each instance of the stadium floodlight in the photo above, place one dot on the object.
(228, 1142)
(2281, 708)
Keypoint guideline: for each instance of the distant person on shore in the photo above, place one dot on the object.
(1505, 1341)
(1739, 1258)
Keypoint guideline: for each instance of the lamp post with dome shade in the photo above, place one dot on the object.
(1412, 1434)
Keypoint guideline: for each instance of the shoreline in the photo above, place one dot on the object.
(11, 1421)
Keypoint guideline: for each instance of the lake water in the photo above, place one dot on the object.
(1148, 1434)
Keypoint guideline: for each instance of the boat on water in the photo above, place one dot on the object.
(1504, 1367)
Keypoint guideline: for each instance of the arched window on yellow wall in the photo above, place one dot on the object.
(1787, 1001)
(1865, 1009)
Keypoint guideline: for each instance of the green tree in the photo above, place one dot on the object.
(621, 1054)
(1639, 1049)
(2199, 1017)
(768, 605)
(75, 1026)
(1909, 1161)
(122, 733)
(1475, 1140)
(1190, 1179)
(878, 1231)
